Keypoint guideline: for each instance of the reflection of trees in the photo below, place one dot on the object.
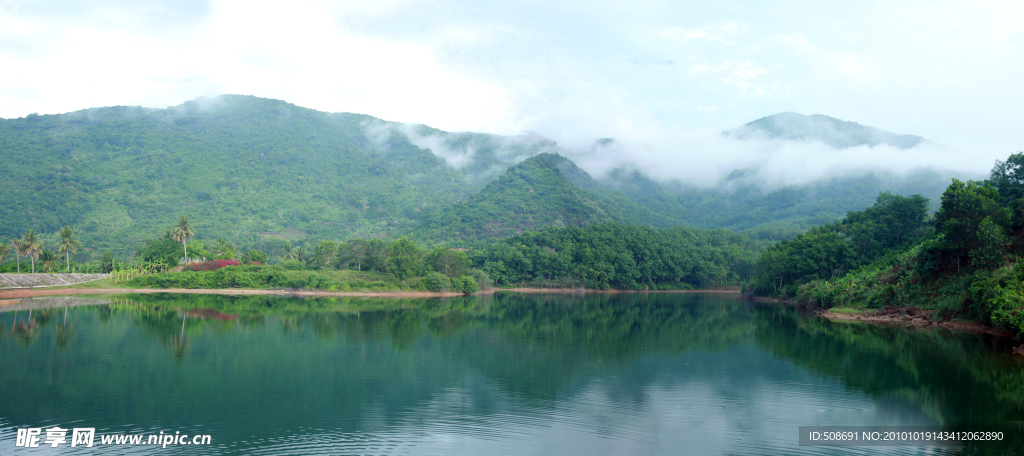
(958, 381)
(391, 358)
(536, 345)
(64, 331)
(178, 343)
(26, 331)
(608, 326)
(28, 328)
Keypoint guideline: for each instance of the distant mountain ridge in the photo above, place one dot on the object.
(259, 172)
(829, 130)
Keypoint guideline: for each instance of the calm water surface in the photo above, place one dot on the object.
(633, 374)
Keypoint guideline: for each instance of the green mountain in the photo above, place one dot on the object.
(241, 167)
(535, 193)
(259, 172)
(829, 130)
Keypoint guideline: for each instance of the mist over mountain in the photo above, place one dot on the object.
(828, 130)
(538, 192)
(261, 171)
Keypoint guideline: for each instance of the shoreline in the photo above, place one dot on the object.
(907, 317)
(913, 318)
(9, 296)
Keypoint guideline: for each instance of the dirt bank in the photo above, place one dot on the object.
(910, 317)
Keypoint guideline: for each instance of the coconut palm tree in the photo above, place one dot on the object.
(4, 251)
(68, 244)
(223, 247)
(16, 245)
(182, 233)
(289, 253)
(31, 246)
(48, 258)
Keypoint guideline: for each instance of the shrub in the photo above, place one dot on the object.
(999, 296)
(317, 282)
(465, 284)
(481, 279)
(293, 265)
(257, 256)
(236, 278)
(435, 281)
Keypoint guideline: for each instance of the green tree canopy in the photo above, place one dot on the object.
(1007, 178)
(162, 251)
(404, 259)
(452, 263)
(964, 207)
(324, 253)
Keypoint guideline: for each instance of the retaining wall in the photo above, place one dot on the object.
(46, 280)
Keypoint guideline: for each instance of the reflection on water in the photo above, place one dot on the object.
(505, 374)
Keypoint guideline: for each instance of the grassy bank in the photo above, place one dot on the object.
(278, 277)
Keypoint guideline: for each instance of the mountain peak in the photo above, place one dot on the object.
(818, 127)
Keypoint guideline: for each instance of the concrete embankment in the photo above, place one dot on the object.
(46, 280)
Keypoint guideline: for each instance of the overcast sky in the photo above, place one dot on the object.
(951, 71)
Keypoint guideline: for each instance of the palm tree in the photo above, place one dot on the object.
(4, 251)
(47, 258)
(68, 244)
(182, 233)
(16, 245)
(31, 247)
(288, 254)
(223, 246)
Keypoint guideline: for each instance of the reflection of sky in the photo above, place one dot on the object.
(695, 406)
(741, 400)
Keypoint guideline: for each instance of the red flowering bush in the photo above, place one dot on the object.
(211, 265)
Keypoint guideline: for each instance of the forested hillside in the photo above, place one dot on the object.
(260, 172)
(741, 205)
(240, 167)
(531, 195)
(964, 261)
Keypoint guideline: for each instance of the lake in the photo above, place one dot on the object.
(507, 374)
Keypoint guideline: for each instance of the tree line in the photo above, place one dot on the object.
(32, 247)
(963, 261)
(616, 256)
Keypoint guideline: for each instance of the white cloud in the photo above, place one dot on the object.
(707, 33)
(573, 71)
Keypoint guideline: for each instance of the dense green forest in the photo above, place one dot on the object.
(963, 261)
(533, 194)
(621, 257)
(262, 172)
(601, 256)
(242, 167)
